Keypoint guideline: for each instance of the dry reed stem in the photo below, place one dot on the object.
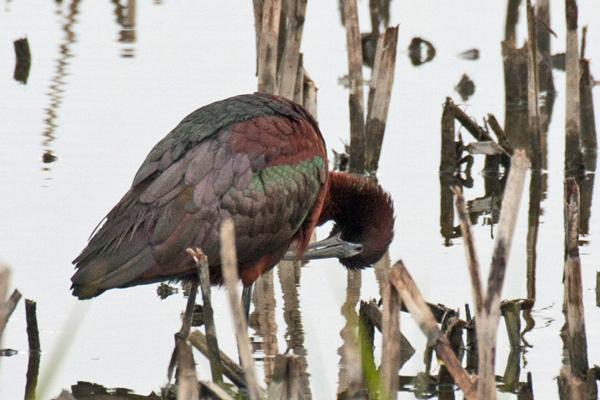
(572, 119)
(380, 93)
(355, 101)
(411, 297)
(470, 249)
(258, 6)
(390, 327)
(299, 81)
(230, 276)
(33, 337)
(309, 100)
(448, 152)
(4, 278)
(500, 135)
(231, 369)
(470, 125)
(488, 318)
(576, 338)
(7, 307)
(209, 321)
(535, 134)
(289, 62)
(187, 380)
(267, 55)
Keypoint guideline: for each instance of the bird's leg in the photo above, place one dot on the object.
(246, 299)
(331, 247)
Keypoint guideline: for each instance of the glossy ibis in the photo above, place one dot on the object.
(259, 159)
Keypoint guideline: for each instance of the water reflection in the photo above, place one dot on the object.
(465, 87)
(58, 83)
(23, 63)
(262, 320)
(379, 12)
(126, 18)
(538, 187)
(289, 278)
(420, 51)
(472, 54)
(350, 377)
(94, 391)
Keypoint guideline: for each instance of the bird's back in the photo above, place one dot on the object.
(259, 159)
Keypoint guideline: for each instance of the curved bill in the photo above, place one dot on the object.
(332, 247)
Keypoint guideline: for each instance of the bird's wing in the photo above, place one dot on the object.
(259, 160)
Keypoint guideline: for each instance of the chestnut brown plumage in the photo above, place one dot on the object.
(259, 159)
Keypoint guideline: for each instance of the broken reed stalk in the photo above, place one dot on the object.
(229, 265)
(299, 81)
(448, 156)
(512, 19)
(500, 135)
(4, 278)
(390, 327)
(488, 318)
(267, 45)
(187, 380)
(288, 68)
(576, 338)
(535, 134)
(470, 249)
(7, 306)
(231, 369)
(511, 311)
(572, 120)
(33, 334)
(258, 15)
(402, 281)
(471, 126)
(380, 92)
(216, 368)
(309, 97)
(33, 337)
(355, 101)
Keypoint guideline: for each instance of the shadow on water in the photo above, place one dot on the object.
(58, 83)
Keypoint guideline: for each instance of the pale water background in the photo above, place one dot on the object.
(110, 102)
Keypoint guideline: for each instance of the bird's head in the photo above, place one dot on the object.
(362, 213)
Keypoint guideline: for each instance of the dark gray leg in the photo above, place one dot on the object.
(247, 299)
